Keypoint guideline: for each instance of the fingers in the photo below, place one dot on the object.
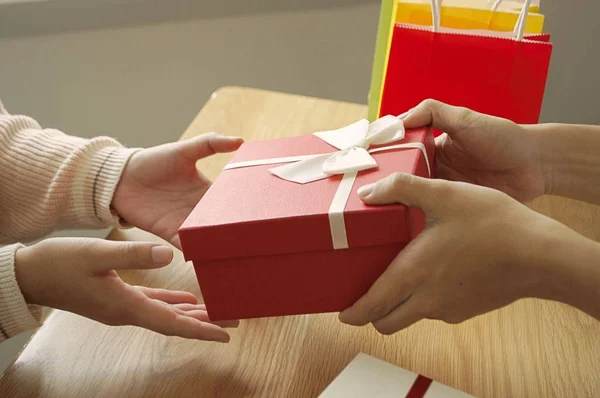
(185, 302)
(190, 307)
(403, 188)
(169, 296)
(227, 324)
(176, 241)
(198, 311)
(165, 319)
(392, 288)
(202, 315)
(440, 116)
(209, 144)
(401, 317)
(103, 255)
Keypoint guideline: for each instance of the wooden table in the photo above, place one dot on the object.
(529, 349)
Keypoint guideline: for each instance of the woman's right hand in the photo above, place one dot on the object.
(78, 275)
(482, 149)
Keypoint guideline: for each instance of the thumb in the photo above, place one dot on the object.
(447, 118)
(108, 255)
(403, 188)
(209, 144)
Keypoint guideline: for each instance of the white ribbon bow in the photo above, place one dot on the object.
(353, 142)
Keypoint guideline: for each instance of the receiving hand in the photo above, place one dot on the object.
(78, 275)
(161, 185)
(480, 251)
(482, 149)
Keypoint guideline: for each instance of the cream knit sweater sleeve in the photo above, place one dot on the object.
(48, 180)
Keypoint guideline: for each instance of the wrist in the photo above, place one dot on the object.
(547, 157)
(16, 315)
(124, 190)
(568, 159)
(112, 163)
(24, 273)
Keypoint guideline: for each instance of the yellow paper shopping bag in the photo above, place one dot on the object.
(468, 14)
(487, 4)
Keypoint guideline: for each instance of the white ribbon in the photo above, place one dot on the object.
(353, 142)
(354, 154)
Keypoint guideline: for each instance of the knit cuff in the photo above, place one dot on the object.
(16, 316)
(100, 181)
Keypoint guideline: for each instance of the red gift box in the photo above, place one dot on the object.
(262, 246)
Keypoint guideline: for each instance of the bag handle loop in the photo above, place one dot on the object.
(518, 32)
(436, 6)
(495, 5)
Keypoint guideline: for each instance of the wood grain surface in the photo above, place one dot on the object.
(529, 349)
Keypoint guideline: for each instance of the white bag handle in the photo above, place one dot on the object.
(496, 5)
(518, 32)
(435, 14)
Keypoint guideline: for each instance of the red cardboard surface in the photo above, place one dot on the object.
(291, 284)
(497, 76)
(261, 246)
(251, 212)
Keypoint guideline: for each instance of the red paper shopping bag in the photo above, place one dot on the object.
(501, 74)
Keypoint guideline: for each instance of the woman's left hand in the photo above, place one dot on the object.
(161, 185)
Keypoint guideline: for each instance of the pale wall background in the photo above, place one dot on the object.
(139, 70)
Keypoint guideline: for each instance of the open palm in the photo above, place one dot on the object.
(161, 185)
(81, 276)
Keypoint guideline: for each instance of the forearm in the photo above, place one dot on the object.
(50, 180)
(570, 158)
(569, 268)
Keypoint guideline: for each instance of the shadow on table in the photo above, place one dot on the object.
(24, 380)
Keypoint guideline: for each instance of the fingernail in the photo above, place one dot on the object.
(365, 190)
(162, 254)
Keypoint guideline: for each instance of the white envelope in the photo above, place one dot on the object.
(366, 376)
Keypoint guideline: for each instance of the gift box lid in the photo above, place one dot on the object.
(251, 212)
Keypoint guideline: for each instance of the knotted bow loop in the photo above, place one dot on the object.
(385, 130)
(353, 142)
